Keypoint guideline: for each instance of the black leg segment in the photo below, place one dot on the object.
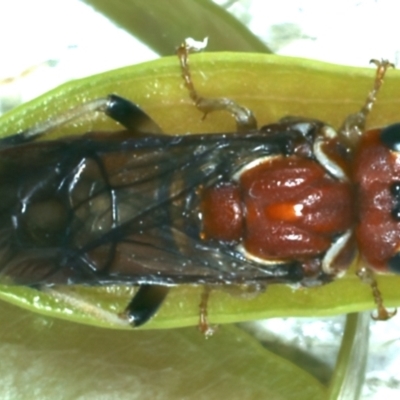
(145, 303)
(130, 115)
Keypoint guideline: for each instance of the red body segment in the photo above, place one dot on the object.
(222, 213)
(289, 207)
(375, 169)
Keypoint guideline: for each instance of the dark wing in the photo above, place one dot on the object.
(115, 208)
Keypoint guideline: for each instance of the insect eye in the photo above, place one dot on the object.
(390, 136)
(394, 264)
(45, 221)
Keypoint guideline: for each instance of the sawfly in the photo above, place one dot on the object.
(292, 202)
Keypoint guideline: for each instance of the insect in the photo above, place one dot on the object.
(254, 207)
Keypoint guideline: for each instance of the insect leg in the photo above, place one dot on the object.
(145, 303)
(368, 277)
(245, 120)
(119, 109)
(354, 125)
(204, 327)
(68, 296)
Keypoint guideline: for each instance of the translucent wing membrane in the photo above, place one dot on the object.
(113, 208)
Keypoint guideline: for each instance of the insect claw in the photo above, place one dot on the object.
(382, 65)
(208, 330)
(383, 314)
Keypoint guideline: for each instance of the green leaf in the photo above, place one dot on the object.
(349, 373)
(163, 26)
(46, 358)
(272, 87)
